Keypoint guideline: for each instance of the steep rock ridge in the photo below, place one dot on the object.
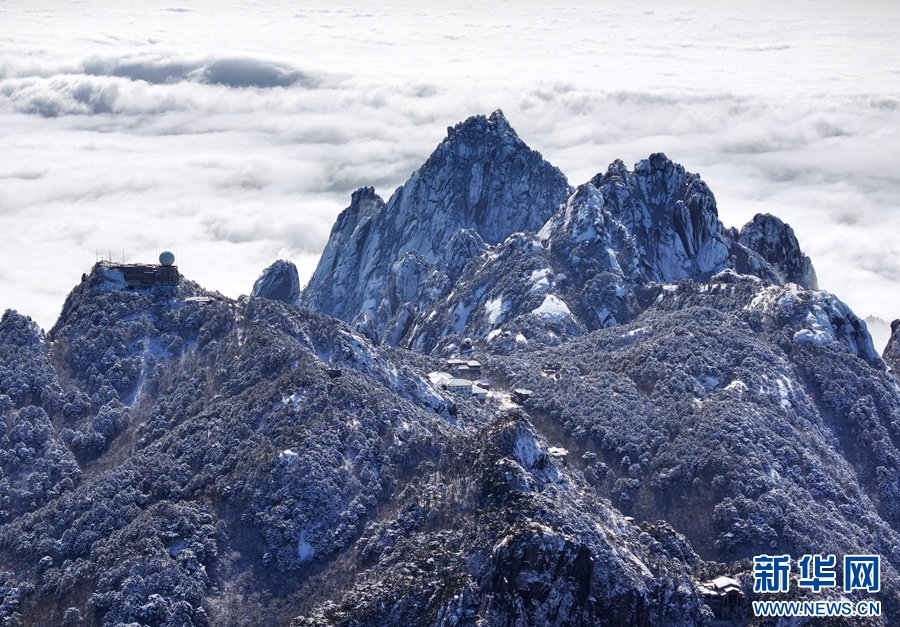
(280, 281)
(335, 286)
(891, 354)
(587, 266)
(445, 262)
(670, 214)
(387, 261)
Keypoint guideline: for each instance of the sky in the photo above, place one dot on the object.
(233, 133)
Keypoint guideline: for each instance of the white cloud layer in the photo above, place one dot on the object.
(235, 133)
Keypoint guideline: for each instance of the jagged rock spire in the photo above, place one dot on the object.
(480, 185)
(439, 259)
(776, 243)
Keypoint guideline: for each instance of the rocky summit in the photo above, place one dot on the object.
(386, 262)
(501, 401)
(280, 281)
(435, 265)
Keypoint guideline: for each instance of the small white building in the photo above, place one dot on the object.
(723, 595)
(440, 379)
(459, 386)
(480, 393)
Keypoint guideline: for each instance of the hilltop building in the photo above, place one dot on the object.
(139, 275)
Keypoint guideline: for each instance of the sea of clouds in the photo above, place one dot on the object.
(234, 132)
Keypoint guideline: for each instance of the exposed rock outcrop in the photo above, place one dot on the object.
(279, 281)
(891, 354)
(480, 185)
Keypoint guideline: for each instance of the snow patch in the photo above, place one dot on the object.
(288, 454)
(526, 451)
(505, 400)
(113, 279)
(552, 308)
(813, 336)
(496, 309)
(461, 317)
(293, 399)
(785, 390)
(539, 281)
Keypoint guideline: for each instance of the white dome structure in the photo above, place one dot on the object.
(167, 258)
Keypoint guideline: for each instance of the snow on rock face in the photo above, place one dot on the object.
(818, 317)
(346, 261)
(552, 308)
(464, 244)
(114, 279)
(659, 223)
(496, 309)
(514, 285)
(670, 213)
(539, 281)
(891, 354)
(526, 465)
(776, 243)
(487, 233)
(479, 186)
(279, 281)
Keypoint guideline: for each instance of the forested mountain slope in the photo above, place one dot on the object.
(668, 398)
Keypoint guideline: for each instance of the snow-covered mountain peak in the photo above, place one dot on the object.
(671, 215)
(475, 128)
(390, 261)
(454, 252)
(112, 291)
